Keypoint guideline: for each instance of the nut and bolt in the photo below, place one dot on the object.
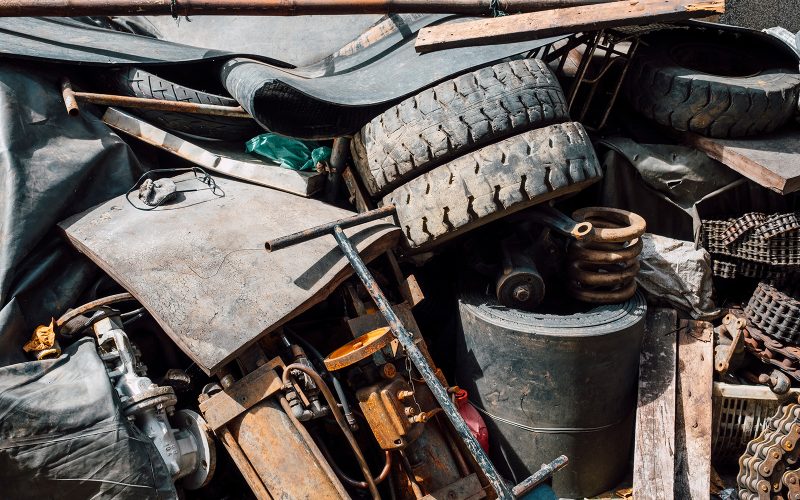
(522, 293)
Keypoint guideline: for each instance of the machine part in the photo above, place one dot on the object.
(734, 268)
(773, 352)
(493, 182)
(778, 224)
(337, 414)
(773, 249)
(456, 117)
(765, 468)
(774, 313)
(406, 340)
(216, 116)
(519, 284)
(187, 449)
(432, 464)
(360, 348)
(303, 394)
(713, 82)
(91, 306)
(566, 385)
(776, 380)
(387, 468)
(603, 266)
(740, 414)
(729, 344)
(558, 221)
(540, 476)
(175, 8)
(389, 408)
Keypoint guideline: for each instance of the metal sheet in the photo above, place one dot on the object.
(200, 268)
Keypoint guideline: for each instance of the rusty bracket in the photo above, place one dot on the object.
(724, 351)
(245, 393)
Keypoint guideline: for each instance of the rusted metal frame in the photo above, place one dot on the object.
(321, 230)
(540, 476)
(175, 8)
(583, 67)
(71, 99)
(256, 386)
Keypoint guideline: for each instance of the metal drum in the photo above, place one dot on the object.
(552, 385)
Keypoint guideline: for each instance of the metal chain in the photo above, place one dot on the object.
(774, 313)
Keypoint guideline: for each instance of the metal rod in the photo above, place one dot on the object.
(419, 361)
(175, 8)
(339, 152)
(71, 97)
(321, 230)
(539, 476)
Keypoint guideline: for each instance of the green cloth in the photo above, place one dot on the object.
(293, 154)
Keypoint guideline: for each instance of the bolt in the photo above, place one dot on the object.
(410, 411)
(388, 371)
(522, 293)
(404, 394)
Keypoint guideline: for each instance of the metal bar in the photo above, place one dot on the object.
(419, 361)
(539, 476)
(339, 152)
(71, 97)
(322, 230)
(175, 8)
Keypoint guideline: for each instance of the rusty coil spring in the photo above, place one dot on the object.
(603, 266)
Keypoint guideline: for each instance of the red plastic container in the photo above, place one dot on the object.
(473, 419)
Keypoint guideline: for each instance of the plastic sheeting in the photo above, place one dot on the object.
(61, 434)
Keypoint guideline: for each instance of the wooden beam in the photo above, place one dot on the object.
(654, 453)
(532, 26)
(693, 424)
(772, 161)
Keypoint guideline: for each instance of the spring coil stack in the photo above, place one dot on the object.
(603, 266)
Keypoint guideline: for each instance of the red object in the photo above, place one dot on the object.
(474, 420)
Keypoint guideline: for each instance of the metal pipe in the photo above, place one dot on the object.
(539, 476)
(321, 230)
(418, 359)
(337, 414)
(89, 306)
(71, 99)
(175, 8)
(339, 152)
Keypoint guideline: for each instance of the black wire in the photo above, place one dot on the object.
(199, 174)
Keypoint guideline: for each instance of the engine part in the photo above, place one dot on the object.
(358, 349)
(392, 413)
(765, 468)
(603, 266)
(729, 344)
(774, 313)
(566, 385)
(519, 284)
(303, 395)
(187, 449)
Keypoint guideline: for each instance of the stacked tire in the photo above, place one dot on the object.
(473, 149)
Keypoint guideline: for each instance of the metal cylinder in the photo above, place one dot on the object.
(554, 385)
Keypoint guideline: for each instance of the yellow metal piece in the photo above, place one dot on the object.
(358, 349)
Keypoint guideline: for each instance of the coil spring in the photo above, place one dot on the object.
(603, 266)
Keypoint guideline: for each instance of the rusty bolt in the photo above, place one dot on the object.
(522, 293)
(226, 381)
(404, 394)
(410, 411)
(388, 371)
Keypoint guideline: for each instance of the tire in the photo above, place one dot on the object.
(455, 117)
(496, 180)
(136, 82)
(714, 83)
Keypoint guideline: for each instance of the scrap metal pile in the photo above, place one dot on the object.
(549, 254)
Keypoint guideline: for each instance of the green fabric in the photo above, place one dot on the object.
(293, 154)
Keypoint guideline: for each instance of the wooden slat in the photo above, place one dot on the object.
(653, 461)
(772, 161)
(693, 422)
(536, 25)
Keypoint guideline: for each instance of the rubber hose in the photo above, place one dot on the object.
(347, 479)
(337, 414)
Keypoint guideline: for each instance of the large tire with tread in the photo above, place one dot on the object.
(455, 117)
(712, 82)
(136, 82)
(496, 180)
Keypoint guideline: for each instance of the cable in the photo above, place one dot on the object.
(347, 479)
(204, 177)
(337, 414)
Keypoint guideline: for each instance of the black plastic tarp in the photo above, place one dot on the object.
(61, 433)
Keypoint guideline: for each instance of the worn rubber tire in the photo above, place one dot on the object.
(759, 96)
(455, 117)
(136, 82)
(496, 180)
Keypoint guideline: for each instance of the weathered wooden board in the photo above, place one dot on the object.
(772, 161)
(693, 424)
(236, 164)
(654, 453)
(200, 268)
(536, 25)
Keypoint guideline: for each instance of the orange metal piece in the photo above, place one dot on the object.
(358, 349)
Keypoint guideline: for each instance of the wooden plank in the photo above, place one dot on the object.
(654, 453)
(536, 25)
(200, 268)
(772, 161)
(693, 423)
(246, 392)
(216, 158)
